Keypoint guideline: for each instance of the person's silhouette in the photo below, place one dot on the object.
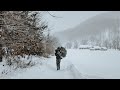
(60, 53)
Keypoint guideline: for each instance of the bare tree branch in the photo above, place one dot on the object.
(53, 15)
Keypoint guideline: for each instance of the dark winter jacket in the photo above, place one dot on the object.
(58, 54)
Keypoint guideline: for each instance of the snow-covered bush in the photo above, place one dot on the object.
(19, 62)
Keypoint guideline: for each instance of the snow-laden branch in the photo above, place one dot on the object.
(53, 15)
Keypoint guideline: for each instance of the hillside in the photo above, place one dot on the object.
(92, 26)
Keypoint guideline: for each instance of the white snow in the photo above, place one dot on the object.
(85, 46)
(105, 64)
(78, 64)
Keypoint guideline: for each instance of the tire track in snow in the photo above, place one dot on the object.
(73, 70)
(77, 75)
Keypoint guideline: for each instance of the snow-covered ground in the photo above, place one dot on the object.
(78, 64)
(104, 64)
(44, 69)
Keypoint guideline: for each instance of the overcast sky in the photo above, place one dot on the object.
(69, 19)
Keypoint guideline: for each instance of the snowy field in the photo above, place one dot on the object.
(78, 64)
(105, 64)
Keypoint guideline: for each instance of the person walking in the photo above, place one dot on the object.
(60, 53)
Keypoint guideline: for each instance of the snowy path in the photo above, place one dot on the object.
(48, 71)
(75, 66)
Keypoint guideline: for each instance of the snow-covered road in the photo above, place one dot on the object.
(46, 70)
(79, 64)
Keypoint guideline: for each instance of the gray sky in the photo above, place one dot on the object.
(69, 19)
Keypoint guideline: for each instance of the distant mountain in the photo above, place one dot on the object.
(91, 26)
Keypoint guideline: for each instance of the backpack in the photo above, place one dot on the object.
(63, 52)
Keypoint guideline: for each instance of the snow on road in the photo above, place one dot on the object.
(96, 64)
(78, 64)
(46, 69)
